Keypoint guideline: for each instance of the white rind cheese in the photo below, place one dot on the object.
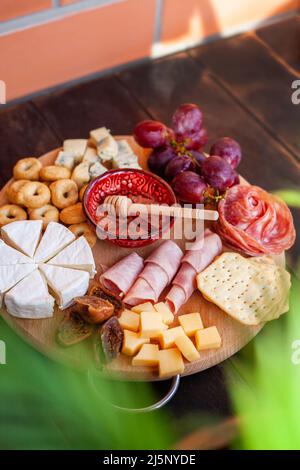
(78, 255)
(30, 298)
(12, 274)
(55, 239)
(24, 235)
(9, 256)
(66, 283)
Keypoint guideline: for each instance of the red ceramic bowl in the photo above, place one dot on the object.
(125, 182)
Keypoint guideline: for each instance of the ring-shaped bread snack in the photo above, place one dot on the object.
(13, 191)
(27, 169)
(64, 193)
(72, 214)
(35, 194)
(82, 191)
(47, 214)
(85, 230)
(54, 173)
(11, 213)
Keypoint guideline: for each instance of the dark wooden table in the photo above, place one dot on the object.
(243, 85)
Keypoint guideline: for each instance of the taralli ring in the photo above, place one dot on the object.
(85, 230)
(47, 213)
(13, 193)
(82, 191)
(54, 173)
(27, 169)
(73, 214)
(64, 193)
(35, 194)
(11, 213)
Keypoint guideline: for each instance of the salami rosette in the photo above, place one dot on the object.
(255, 222)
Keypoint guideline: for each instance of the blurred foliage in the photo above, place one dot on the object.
(290, 196)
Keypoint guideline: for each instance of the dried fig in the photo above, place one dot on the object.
(94, 309)
(73, 329)
(99, 291)
(111, 335)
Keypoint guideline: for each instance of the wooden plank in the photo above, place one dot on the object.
(24, 133)
(283, 38)
(258, 81)
(162, 85)
(103, 102)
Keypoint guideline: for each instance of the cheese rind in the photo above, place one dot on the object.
(9, 256)
(12, 274)
(30, 298)
(132, 343)
(187, 348)
(77, 255)
(167, 338)
(66, 283)
(23, 235)
(208, 338)
(191, 322)
(55, 239)
(147, 356)
(170, 362)
(129, 320)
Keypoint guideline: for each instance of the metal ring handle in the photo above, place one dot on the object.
(156, 406)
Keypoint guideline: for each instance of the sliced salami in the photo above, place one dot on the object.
(122, 275)
(255, 222)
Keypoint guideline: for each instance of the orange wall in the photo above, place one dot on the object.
(45, 43)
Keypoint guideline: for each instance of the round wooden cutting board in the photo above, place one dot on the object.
(41, 333)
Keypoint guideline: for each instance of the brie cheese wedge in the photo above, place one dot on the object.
(9, 256)
(24, 235)
(30, 298)
(11, 275)
(56, 238)
(75, 147)
(78, 255)
(65, 283)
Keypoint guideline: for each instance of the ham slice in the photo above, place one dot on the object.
(120, 277)
(202, 253)
(160, 268)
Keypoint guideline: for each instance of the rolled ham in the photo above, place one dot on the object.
(122, 275)
(195, 260)
(160, 268)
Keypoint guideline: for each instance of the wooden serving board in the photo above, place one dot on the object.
(41, 333)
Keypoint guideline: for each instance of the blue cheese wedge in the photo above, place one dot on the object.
(66, 284)
(78, 255)
(90, 156)
(97, 169)
(9, 256)
(107, 149)
(98, 135)
(65, 159)
(24, 235)
(55, 239)
(124, 160)
(30, 298)
(81, 174)
(11, 275)
(124, 147)
(75, 147)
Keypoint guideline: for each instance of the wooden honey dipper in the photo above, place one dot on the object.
(125, 207)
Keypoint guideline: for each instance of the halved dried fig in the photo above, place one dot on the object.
(99, 291)
(73, 329)
(94, 309)
(111, 336)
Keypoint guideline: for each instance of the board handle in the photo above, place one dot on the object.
(147, 409)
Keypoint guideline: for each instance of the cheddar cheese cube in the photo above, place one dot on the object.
(151, 324)
(145, 307)
(208, 338)
(187, 348)
(132, 343)
(129, 320)
(147, 356)
(166, 314)
(167, 338)
(190, 322)
(170, 362)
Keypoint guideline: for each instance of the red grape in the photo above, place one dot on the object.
(196, 140)
(151, 134)
(229, 149)
(159, 158)
(218, 173)
(177, 165)
(187, 119)
(189, 187)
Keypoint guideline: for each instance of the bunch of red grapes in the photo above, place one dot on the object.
(178, 155)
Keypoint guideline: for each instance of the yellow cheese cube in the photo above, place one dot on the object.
(167, 338)
(151, 325)
(170, 362)
(132, 343)
(147, 356)
(145, 307)
(208, 338)
(129, 320)
(190, 322)
(166, 314)
(187, 348)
